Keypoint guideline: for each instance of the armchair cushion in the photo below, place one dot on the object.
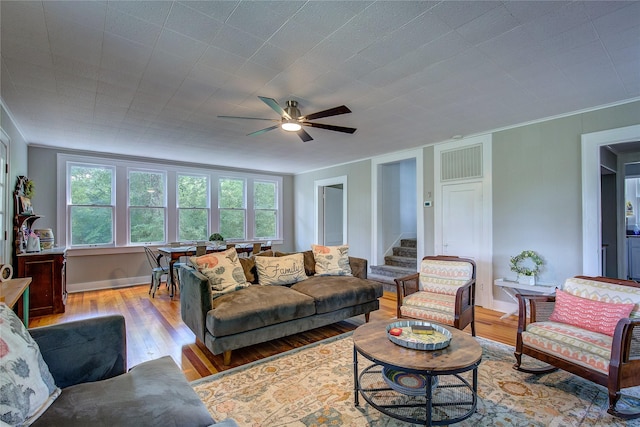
(596, 316)
(430, 306)
(26, 384)
(444, 277)
(603, 291)
(85, 350)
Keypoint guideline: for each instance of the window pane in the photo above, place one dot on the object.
(232, 224)
(90, 185)
(192, 191)
(91, 225)
(147, 225)
(265, 224)
(231, 194)
(146, 189)
(193, 224)
(264, 195)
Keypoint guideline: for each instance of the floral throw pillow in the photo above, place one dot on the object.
(282, 270)
(26, 385)
(592, 315)
(224, 271)
(331, 260)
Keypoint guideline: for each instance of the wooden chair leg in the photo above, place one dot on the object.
(226, 358)
(366, 317)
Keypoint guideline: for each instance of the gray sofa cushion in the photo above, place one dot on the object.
(256, 307)
(154, 393)
(335, 292)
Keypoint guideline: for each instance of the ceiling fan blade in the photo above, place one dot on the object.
(326, 113)
(329, 127)
(247, 118)
(261, 131)
(275, 106)
(304, 136)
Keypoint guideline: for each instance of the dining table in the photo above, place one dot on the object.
(174, 253)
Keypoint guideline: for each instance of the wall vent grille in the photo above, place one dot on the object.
(461, 163)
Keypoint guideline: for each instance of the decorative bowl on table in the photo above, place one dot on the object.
(439, 338)
(407, 382)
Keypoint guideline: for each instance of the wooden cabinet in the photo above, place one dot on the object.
(48, 290)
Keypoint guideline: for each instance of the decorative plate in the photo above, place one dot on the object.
(440, 338)
(406, 382)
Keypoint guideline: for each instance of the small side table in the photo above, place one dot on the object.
(10, 292)
(514, 288)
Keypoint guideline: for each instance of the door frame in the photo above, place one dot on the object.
(319, 207)
(591, 215)
(484, 262)
(376, 190)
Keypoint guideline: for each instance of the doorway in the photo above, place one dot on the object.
(592, 259)
(331, 211)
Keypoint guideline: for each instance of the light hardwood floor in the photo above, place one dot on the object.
(154, 328)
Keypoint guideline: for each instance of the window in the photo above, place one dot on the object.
(265, 209)
(147, 206)
(91, 204)
(193, 207)
(116, 202)
(231, 202)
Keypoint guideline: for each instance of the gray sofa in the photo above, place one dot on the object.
(262, 313)
(88, 361)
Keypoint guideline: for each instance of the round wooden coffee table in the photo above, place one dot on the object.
(452, 400)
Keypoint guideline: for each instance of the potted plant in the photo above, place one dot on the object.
(216, 238)
(527, 264)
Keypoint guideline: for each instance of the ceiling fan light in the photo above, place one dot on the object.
(291, 126)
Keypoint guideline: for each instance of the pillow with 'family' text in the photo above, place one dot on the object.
(281, 270)
(331, 260)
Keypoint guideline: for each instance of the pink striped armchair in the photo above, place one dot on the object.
(443, 291)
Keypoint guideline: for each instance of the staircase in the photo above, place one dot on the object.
(402, 262)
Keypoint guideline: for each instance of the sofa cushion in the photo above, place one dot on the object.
(577, 345)
(309, 261)
(255, 307)
(223, 270)
(331, 260)
(154, 393)
(595, 316)
(332, 293)
(284, 270)
(249, 266)
(27, 386)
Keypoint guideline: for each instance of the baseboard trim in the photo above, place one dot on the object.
(124, 282)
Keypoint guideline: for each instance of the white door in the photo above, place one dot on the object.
(333, 216)
(462, 216)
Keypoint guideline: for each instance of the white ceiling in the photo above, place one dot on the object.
(148, 78)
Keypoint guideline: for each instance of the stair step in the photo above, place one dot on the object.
(408, 243)
(400, 261)
(405, 251)
(391, 271)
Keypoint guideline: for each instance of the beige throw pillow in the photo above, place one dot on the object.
(331, 260)
(224, 271)
(282, 270)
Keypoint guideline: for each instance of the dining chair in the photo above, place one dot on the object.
(158, 269)
(257, 247)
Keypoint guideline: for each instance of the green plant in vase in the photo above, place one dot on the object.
(216, 238)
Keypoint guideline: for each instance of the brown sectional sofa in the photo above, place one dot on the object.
(262, 313)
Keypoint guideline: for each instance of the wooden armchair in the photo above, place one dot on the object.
(443, 291)
(611, 361)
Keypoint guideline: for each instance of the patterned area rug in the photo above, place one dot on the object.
(313, 386)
